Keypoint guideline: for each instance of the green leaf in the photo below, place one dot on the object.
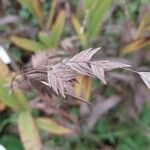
(95, 17)
(53, 127)
(38, 11)
(11, 142)
(35, 9)
(21, 99)
(87, 4)
(27, 44)
(81, 35)
(45, 38)
(27, 4)
(57, 29)
(17, 99)
(51, 14)
(28, 131)
(5, 97)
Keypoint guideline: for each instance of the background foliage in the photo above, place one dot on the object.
(121, 29)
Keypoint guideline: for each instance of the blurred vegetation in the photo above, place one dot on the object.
(121, 28)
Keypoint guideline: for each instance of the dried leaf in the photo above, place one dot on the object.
(86, 88)
(144, 21)
(99, 72)
(2, 106)
(78, 85)
(5, 73)
(85, 55)
(81, 35)
(136, 45)
(81, 68)
(53, 81)
(110, 65)
(53, 127)
(61, 77)
(146, 78)
(83, 87)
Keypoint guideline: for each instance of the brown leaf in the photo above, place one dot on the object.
(85, 55)
(2, 106)
(109, 65)
(136, 45)
(60, 78)
(146, 78)
(81, 68)
(99, 72)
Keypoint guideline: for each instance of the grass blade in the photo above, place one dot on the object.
(45, 38)
(28, 131)
(96, 16)
(53, 127)
(38, 12)
(7, 98)
(81, 35)
(27, 4)
(57, 29)
(136, 45)
(51, 14)
(27, 44)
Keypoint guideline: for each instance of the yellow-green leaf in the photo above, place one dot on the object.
(78, 86)
(144, 24)
(16, 99)
(21, 99)
(45, 38)
(87, 4)
(27, 44)
(57, 29)
(87, 87)
(7, 98)
(136, 45)
(28, 131)
(53, 127)
(83, 87)
(81, 34)
(51, 13)
(27, 4)
(5, 73)
(5, 78)
(38, 11)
